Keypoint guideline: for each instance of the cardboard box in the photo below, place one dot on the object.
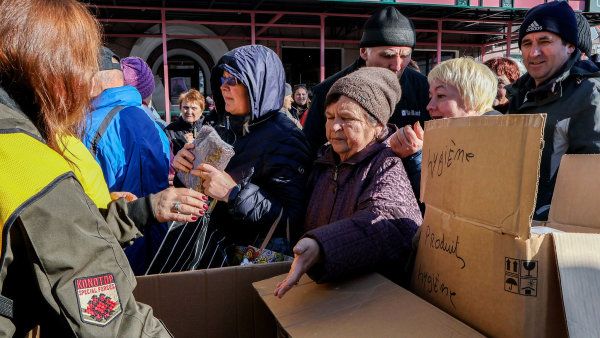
(478, 258)
(367, 306)
(211, 303)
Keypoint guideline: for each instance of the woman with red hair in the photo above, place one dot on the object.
(507, 72)
(62, 263)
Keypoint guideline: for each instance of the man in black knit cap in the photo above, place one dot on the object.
(557, 83)
(388, 40)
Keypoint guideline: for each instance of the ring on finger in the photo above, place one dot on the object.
(176, 206)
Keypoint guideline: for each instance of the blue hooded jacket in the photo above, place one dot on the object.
(134, 156)
(272, 158)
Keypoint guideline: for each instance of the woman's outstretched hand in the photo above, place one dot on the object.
(306, 254)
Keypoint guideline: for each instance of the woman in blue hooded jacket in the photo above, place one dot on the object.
(269, 169)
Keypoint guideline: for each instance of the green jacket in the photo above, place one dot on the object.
(63, 265)
(571, 100)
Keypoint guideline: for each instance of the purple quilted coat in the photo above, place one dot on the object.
(362, 212)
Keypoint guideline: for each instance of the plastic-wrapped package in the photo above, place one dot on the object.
(209, 148)
(191, 246)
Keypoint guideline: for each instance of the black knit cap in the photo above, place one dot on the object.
(555, 17)
(388, 27)
(584, 36)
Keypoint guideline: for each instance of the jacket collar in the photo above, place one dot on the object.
(186, 126)
(117, 96)
(549, 90)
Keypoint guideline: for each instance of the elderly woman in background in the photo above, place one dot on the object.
(300, 103)
(457, 88)
(362, 213)
(507, 72)
(185, 129)
(267, 175)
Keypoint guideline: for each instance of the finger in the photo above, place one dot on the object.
(403, 138)
(293, 278)
(200, 173)
(188, 146)
(299, 249)
(398, 137)
(181, 163)
(186, 154)
(191, 193)
(419, 130)
(192, 205)
(207, 167)
(411, 136)
(181, 217)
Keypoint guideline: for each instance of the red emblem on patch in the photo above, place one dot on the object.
(98, 299)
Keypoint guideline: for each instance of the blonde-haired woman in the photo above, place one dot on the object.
(457, 88)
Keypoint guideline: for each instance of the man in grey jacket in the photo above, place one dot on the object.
(556, 83)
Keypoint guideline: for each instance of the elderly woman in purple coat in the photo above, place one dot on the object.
(362, 213)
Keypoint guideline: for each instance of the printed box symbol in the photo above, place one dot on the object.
(529, 287)
(512, 265)
(511, 284)
(530, 269)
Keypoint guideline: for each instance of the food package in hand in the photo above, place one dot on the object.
(209, 148)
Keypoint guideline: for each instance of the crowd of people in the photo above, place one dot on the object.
(88, 188)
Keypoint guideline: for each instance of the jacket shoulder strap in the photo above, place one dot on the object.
(103, 126)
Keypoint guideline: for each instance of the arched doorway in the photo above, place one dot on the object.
(185, 73)
(190, 60)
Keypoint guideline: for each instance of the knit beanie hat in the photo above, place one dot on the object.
(388, 27)
(584, 36)
(555, 17)
(138, 74)
(376, 89)
(288, 89)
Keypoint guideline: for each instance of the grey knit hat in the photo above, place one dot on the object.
(376, 89)
(584, 34)
(388, 27)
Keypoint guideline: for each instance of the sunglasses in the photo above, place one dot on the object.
(231, 81)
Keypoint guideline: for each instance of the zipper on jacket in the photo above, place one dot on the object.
(227, 122)
(335, 176)
(335, 189)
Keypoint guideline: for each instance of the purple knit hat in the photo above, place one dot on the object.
(136, 73)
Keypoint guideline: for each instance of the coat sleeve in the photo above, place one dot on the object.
(70, 244)
(283, 177)
(379, 232)
(314, 125)
(584, 127)
(412, 164)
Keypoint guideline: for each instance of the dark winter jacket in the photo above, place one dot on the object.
(571, 98)
(362, 212)
(176, 132)
(412, 106)
(272, 159)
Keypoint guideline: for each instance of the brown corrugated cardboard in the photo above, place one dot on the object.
(367, 306)
(211, 303)
(478, 258)
(576, 202)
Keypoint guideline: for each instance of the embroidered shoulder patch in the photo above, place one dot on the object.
(98, 299)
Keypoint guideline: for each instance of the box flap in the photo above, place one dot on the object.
(213, 302)
(576, 193)
(484, 169)
(367, 306)
(578, 262)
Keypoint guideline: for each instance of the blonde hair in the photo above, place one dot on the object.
(476, 83)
